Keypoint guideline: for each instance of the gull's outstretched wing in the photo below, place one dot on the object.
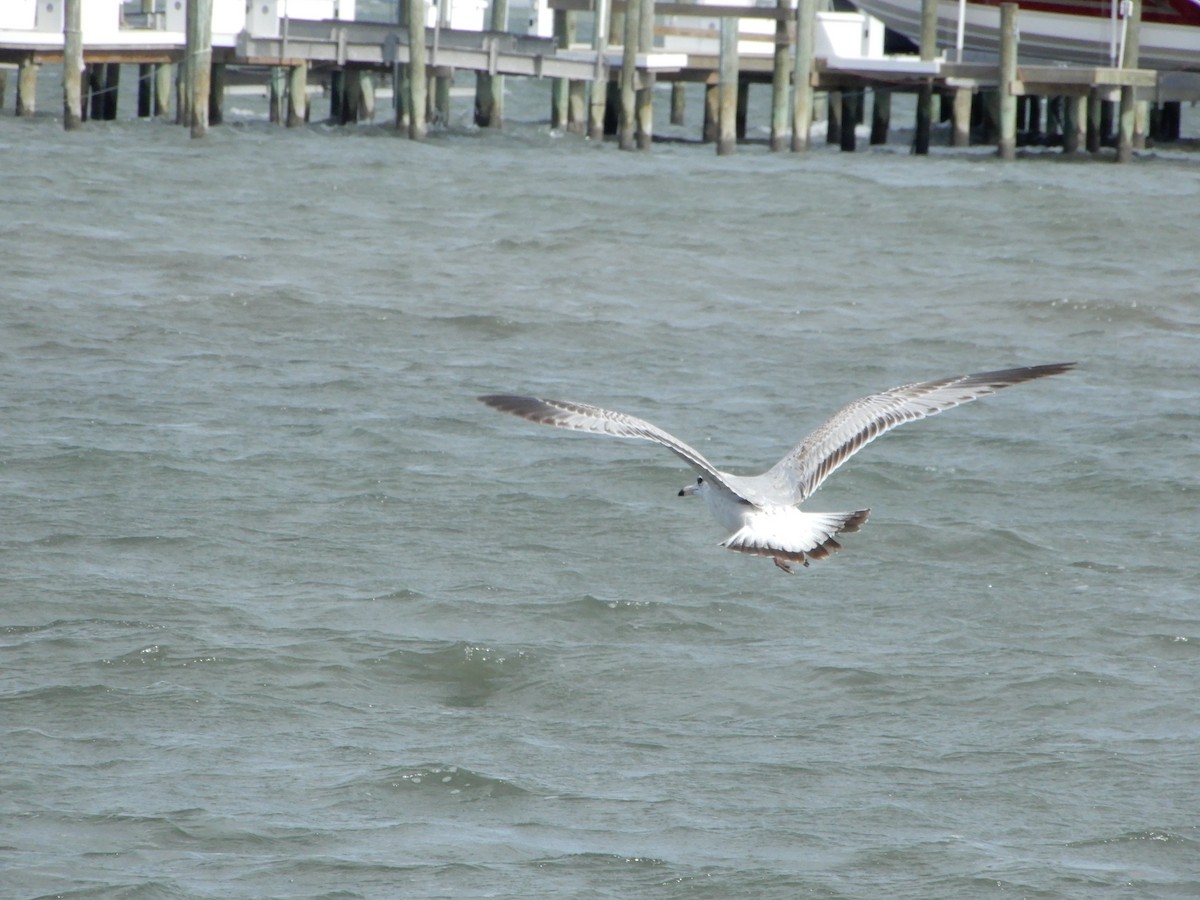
(594, 420)
(855, 425)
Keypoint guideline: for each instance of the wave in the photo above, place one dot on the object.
(442, 779)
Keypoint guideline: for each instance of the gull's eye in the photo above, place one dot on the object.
(700, 480)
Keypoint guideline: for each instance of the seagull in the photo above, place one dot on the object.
(762, 512)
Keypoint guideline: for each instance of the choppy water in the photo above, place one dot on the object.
(285, 612)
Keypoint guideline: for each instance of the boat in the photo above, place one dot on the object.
(1086, 32)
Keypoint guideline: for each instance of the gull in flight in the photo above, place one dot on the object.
(762, 512)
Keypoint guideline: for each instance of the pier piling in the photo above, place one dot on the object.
(628, 76)
(678, 102)
(199, 64)
(72, 65)
(1126, 132)
(489, 86)
(598, 103)
(644, 99)
(1008, 74)
(962, 117)
(27, 75)
(710, 129)
(216, 95)
(418, 84)
(851, 105)
(802, 99)
(145, 90)
(164, 73)
(297, 105)
(781, 76)
(928, 48)
(881, 115)
(564, 36)
(728, 89)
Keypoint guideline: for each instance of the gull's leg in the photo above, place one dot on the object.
(783, 565)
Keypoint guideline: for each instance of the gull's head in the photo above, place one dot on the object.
(697, 489)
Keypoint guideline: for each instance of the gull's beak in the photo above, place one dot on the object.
(687, 491)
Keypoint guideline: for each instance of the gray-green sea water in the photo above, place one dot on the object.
(285, 612)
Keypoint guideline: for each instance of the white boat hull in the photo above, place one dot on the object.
(1058, 37)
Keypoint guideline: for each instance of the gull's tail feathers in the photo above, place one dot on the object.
(795, 538)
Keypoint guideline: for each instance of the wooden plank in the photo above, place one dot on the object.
(1087, 75)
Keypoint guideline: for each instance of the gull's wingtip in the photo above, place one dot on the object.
(503, 401)
(532, 408)
(1055, 368)
(1006, 377)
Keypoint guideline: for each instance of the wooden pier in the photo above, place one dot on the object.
(620, 68)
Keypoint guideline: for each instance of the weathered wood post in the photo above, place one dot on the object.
(962, 117)
(72, 64)
(644, 100)
(351, 97)
(678, 102)
(199, 53)
(440, 100)
(833, 117)
(599, 98)
(276, 96)
(1074, 123)
(711, 129)
(577, 106)
(743, 107)
(216, 95)
(851, 106)
(802, 101)
(489, 87)
(27, 74)
(628, 112)
(164, 74)
(145, 90)
(1128, 116)
(1033, 115)
(727, 118)
(564, 34)
(337, 97)
(925, 92)
(297, 113)
(93, 103)
(1094, 132)
(569, 96)
(881, 115)
(1054, 115)
(418, 84)
(366, 96)
(443, 76)
(112, 90)
(1008, 75)
(182, 87)
(781, 76)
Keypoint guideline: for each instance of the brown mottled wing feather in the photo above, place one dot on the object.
(857, 424)
(594, 420)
